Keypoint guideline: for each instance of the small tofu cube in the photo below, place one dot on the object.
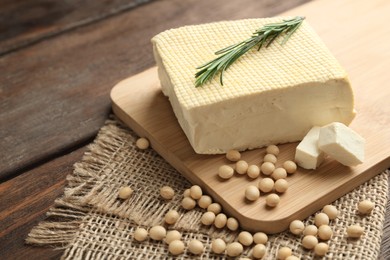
(342, 144)
(307, 154)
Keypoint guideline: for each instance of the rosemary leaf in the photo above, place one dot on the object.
(264, 36)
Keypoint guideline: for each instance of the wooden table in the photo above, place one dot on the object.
(58, 63)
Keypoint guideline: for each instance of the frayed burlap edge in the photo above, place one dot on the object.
(385, 245)
(64, 219)
(91, 195)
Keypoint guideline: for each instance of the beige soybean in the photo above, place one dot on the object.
(281, 185)
(172, 235)
(272, 200)
(225, 172)
(245, 238)
(325, 232)
(142, 143)
(273, 149)
(220, 220)
(321, 219)
(297, 227)
(284, 252)
(279, 173)
(218, 246)
(260, 238)
(208, 218)
(196, 192)
(241, 167)
(140, 234)
(252, 193)
(233, 155)
(232, 224)
(187, 193)
(176, 247)
(310, 230)
(321, 249)
(259, 251)
(266, 185)
(215, 208)
(290, 167)
(253, 171)
(125, 192)
(309, 242)
(171, 217)
(196, 247)
(167, 192)
(234, 249)
(188, 203)
(270, 158)
(365, 207)
(267, 168)
(331, 211)
(355, 231)
(205, 201)
(157, 233)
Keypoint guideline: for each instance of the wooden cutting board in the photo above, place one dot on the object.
(355, 33)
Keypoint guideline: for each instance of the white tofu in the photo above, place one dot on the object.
(270, 96)
(307, 154)
(342, 144)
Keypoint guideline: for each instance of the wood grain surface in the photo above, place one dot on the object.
(56, 75)
(46, 84)
(23, 23)
(25, 200)
(138, 101)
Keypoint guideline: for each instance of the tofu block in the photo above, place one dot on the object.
(307, 154)
(342, 144)
(275, 95)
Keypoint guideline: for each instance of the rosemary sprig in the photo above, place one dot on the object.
(262, 37)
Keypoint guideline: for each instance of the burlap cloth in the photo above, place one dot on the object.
(89, 222)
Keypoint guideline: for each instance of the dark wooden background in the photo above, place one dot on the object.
(58, 63)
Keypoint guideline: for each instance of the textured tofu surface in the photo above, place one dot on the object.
(263, 90)
(304, 58)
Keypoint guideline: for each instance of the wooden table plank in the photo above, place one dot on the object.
(24, 202)
(29, 21)
(55, 94)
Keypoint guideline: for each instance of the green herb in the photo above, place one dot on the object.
(262, 37)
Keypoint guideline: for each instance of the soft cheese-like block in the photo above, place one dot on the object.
(275, 95)
(342, 144)
(307, 153)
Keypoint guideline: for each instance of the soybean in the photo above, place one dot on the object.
(225, 172)
(167, 192)
(252, 193)
(234, 249)
(140, 234)
(142, 143)
(196, 192)
(196, 247)
(218, 246)
(176, 247)
(245, 238)
(233, 155)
